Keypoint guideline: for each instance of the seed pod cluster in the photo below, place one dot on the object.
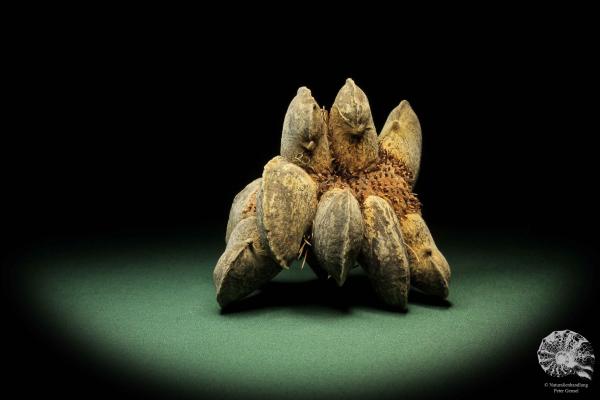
(337, 195)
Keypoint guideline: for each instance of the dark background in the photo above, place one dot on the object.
(122, 131)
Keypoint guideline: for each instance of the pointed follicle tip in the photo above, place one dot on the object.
(404, 106)
(350, 85)
(303, 91)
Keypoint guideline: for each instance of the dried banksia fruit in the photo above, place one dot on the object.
(401, 137)
(244, 266)
(429, 270)
(336, 195)
(337, 233)
(383, 255)
(286, 206)
(244, 206)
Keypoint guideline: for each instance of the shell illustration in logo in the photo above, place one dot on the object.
(565, 353)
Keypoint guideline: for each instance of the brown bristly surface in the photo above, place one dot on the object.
(387, 179)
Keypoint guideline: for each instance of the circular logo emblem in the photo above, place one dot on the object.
(563, 353)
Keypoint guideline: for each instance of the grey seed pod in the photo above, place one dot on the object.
(244, 266)
(286, 205)
(353, 136)
(401, 137)
(383, 255)
(337, 233)
(243, 206)
(429, 270)
(304, 136)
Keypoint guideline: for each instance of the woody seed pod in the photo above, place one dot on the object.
(244, 266)
(243, 206)
(401, 137)
(383, 255)
(304, 136)
(286, 206)
(429, 270)
(337, 233)
(353, 135)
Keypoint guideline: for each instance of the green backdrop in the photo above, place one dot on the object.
(146, 310)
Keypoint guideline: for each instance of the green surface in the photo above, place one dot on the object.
(149, 310)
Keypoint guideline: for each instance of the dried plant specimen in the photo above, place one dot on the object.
(338, 195)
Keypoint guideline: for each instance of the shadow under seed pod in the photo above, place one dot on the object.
(315, 266)
(325, 299)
